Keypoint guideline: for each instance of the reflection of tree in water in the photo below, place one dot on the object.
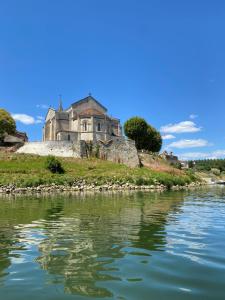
(82, 245)
(6, 243)
(14, 214)
(154, 214)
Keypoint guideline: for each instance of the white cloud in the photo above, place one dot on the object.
(42, 106)
(168, 137)
(219, 153)
(182, 127)
(23, 118)
(193, 116)
(189, 144)
(202, 155)
(39, 119)
(26, 119)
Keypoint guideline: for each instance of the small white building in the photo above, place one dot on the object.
(86, 119)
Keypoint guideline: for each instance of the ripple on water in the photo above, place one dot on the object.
(139, 246)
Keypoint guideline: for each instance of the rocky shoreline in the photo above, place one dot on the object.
(83, 186)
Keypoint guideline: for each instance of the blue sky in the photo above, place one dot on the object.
(159, 59)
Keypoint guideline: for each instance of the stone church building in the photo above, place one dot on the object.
(86, 120)
(81, 131)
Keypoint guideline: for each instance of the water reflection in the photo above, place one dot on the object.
(85, 243)
(82, 245)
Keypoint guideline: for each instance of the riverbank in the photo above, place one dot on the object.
(21, 173)
(83, 186)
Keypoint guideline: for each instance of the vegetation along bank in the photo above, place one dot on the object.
(22, 172)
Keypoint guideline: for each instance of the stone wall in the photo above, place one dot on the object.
(68, 136)
(118, 150)
(57, 148)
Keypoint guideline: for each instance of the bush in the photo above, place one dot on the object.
(177, 165)
(141, 181)
(54, 165)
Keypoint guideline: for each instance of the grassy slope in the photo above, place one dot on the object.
(209, 175)
(28, 170)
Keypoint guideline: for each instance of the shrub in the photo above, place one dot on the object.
(141, 181)
(177, 165)
(54, 165)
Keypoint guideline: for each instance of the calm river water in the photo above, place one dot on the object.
(118, 246)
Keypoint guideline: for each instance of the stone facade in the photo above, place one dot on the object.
(85, 120)
(170, 157)
(119, 150)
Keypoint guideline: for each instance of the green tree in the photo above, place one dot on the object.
(7, 124)
(136, 129)
(145, 136)
(153, 141)
(191, 164)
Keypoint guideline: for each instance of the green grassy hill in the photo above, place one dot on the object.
(29, 170)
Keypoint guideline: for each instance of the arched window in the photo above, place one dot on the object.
(68, 137)
(99, 127)
(84, 126)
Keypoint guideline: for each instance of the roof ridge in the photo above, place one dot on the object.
(87, 98)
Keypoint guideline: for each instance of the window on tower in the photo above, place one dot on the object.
(84, 126)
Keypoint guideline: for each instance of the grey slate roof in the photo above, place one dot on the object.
(86, 99)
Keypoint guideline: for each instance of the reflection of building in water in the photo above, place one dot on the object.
(79, 241)
(72, 249)
(83, 246)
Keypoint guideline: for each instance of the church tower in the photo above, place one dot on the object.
(60, 104)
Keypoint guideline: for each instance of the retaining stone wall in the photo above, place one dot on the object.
(118, 150)
(57, 148)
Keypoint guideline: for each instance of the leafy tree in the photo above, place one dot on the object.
(136, 129)
(145, 136)
(153, 140)
(191, 164)
(7, 124)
